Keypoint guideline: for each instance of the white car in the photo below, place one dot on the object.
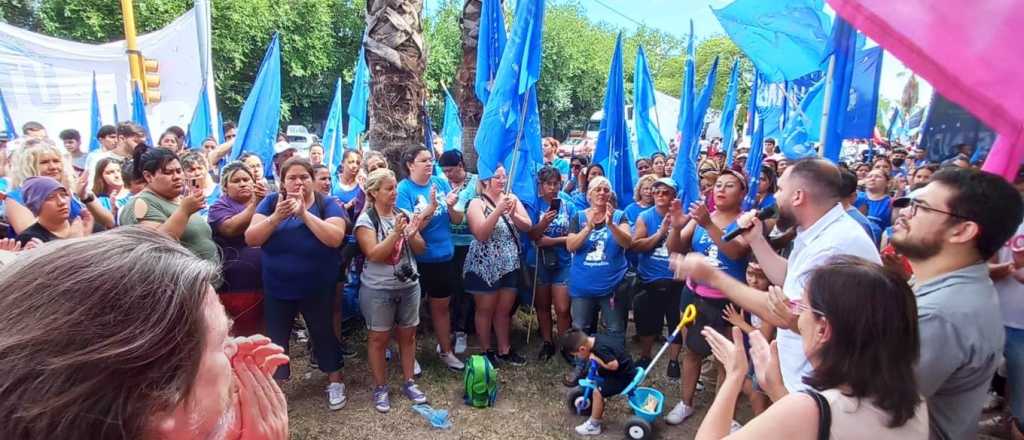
(300, 138)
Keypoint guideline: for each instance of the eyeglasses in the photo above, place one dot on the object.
(797, 307)
(914, 205)
(663, 192)
(428, 160)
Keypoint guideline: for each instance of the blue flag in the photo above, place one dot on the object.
(727, 125)
(490, 45)
(613, 150)
(685, 172)
(199, 129)
(701, 107)
(139, 112)
(648, 137)
(784, 39)
(95, 121)
(509, 131)
(12, 131)
(862, 111)
(892, 123)
(843, 48)
(334, 138)
(357, 121)
(452, 130)
(754, 161)
(803, 128)
(261, 113)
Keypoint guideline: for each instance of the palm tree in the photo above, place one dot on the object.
(396, 58)
(470, 108)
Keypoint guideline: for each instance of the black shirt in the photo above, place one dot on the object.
(35, 231)
(613, 348)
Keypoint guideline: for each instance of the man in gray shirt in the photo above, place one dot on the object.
(948, 230)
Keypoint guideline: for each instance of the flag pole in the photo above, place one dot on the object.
(519, 139)
(829, 77)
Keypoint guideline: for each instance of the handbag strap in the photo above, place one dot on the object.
(824, 414)
(508, 224)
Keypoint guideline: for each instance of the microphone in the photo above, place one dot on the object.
(762, 215)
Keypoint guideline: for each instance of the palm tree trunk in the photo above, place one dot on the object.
(470, 108)
(396, 59)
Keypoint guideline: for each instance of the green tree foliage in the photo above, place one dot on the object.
(444, 53)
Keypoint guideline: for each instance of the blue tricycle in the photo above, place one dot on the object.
(647, 403)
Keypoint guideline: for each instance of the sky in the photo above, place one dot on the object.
(672, 16)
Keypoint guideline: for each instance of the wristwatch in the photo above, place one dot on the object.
(89, 198)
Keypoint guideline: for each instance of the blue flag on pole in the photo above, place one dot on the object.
(490, 45)
(139, 112)
(357, 121)
(648, 137)
(199, 129)
(754, 161)
(843, 48)
(261, 113)
(95, 121)
(685, 172)
(613, 150)
(803, 128)
(452, 130)
(12, 131)
(702, 105)
(892, 123)
(784, 39)
(727, 125)
(334, 138)
(509, 131)
(862, 111)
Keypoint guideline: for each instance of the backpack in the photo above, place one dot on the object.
(481, 382)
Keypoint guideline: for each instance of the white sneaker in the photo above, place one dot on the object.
(387, 354)
(679, 414)
(590, 427)
(460, 342)
(736, 426)
(452, 362)
(336, 396)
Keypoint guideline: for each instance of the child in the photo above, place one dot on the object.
(756, 278)
(615, 367)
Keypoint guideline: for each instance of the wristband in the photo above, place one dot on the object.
(89, 198)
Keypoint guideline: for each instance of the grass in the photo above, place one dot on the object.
(531, 399)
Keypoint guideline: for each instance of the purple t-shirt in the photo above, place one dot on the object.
(241, 263)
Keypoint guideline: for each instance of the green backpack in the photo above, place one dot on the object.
(481, 382)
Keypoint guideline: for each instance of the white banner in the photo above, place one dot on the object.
(49, 80)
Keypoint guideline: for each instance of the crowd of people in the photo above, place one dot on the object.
(879, 300)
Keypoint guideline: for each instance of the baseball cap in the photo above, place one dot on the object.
(667, 181)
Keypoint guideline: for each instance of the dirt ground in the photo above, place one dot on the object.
(531, 400)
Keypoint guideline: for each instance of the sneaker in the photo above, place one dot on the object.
(336, 396)
(512, 358)
(546, 351)
(644, 362)
(346, 352)
(413, 392)
(416, 370)
(460, 342)
(735, 426)
(590, 427)
(679, 414)
(381, 402)
(492, 357)
(673, 371)
(452, 362)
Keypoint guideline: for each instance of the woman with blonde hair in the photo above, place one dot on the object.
(643, 197)
(41, 157)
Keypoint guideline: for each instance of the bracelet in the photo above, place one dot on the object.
(89, 198)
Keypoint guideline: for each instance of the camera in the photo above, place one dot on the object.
(406, 273)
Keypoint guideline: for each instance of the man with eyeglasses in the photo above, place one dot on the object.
(948, 230)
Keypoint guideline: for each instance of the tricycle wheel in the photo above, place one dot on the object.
(637, 428)
(578, 402)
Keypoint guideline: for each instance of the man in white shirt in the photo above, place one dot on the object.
(807, 196)
(107, 137)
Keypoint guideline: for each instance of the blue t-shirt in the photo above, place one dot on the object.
(210, 200)
(344, 197)
(461, 236)
(600, 263)
(769, 200)
(561, 165)
(295, 262)
(580, 200)
(879, 211)
(416, 198)
(703, 243)
(653, 264)
(559, 227)
(633, 212)
(872, 229)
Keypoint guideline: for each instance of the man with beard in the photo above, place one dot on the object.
(948, 230)
(808, 196)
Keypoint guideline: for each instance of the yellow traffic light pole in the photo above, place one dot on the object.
(134, 55)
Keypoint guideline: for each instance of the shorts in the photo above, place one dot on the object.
(438, 280)
(657, 304)
(613, 385)
(709, 314)
(477, 286)
(547, 277)
(384, 309)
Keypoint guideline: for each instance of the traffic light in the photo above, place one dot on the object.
(151, 80)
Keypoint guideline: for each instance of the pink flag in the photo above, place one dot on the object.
(971, 52)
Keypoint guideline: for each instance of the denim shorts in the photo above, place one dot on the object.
(477, 286)
(384, 309)
(557, 277)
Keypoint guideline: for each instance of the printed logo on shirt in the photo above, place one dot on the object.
(596, 257)
(422, 204)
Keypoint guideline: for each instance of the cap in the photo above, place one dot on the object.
(36, 189)
(667, 181)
